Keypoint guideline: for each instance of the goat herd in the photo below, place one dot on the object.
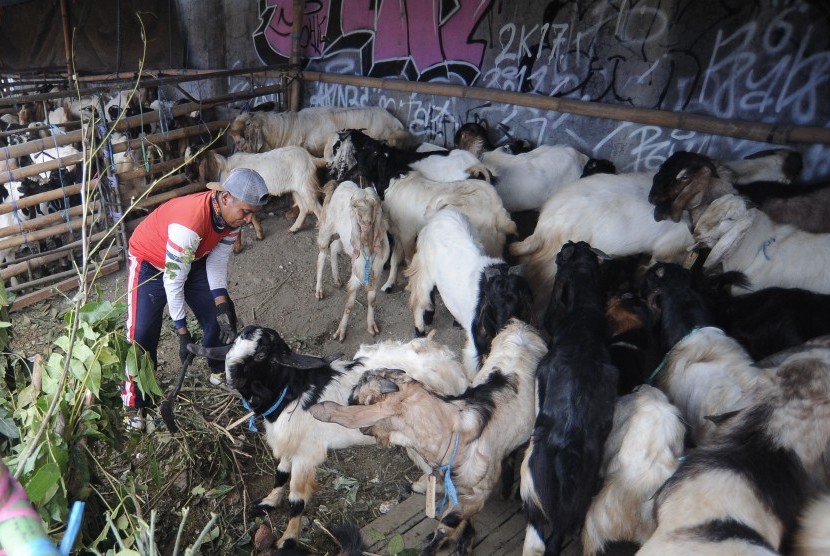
(682, 407)
(685, 408)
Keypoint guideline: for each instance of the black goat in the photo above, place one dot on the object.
(576, 390)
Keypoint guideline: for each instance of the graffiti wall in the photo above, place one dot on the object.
(761, 60)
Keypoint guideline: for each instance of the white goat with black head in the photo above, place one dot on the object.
(280, 386)
(482, 293)
(705, 373)
(576, 387)
(464, 437)
(769, 254)
(355, 215)
(743, 493)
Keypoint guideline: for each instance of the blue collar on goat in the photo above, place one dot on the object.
(266, 413)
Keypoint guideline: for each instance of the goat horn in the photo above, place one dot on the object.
(217, 353)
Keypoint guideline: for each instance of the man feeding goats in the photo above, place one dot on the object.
(179, 255)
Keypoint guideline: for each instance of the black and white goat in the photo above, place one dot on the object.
(280, 385)
(355, 155)
(643, 449)
(482, 293)
(769, 254)
(743, 493)
(705, 372)
(576, 387)
(355, 216)
(464, 437)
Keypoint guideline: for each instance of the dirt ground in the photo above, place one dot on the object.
(272, 284)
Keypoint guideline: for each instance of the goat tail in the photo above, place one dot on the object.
(504, 223)
(813, 535)
(528, 246)
(481, 172)
(350, 540)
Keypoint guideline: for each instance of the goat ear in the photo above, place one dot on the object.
(300, 361)
(729, 241)
(378, 227)
(354, 240)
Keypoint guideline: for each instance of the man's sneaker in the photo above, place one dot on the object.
(217, 379)
(134, 419)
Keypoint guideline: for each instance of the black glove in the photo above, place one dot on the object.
(184, 339)
(226, 317)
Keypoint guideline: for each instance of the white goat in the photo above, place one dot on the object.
(281, 385)
(641, 452)
(525, 181)
(707, 374)
(450, 257)
(612, 214)
(410, 198)
(285, 170)
(456, 165)
(770, 254)
(355, 215)
(741, 494)
(489, 421)
(312, 128)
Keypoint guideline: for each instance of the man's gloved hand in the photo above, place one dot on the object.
(226, 317)
(184, 339)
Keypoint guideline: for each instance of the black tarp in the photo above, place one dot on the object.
(106, 35)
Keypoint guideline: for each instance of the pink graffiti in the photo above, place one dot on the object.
(402, 29)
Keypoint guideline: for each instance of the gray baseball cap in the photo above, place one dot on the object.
(245, 185)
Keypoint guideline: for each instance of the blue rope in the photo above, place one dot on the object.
(766, 244)
(367, 268)
(266, 413)
(450, 492)
(666, 357)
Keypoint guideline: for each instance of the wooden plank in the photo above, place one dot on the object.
(65, 286)
(399, 520)
(498, 540)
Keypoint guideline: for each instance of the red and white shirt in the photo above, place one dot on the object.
(177, 233)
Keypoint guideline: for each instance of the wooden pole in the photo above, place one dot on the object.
(782, 134)
(37, 235)
(41, 221)
(65, 286)
(296, 54)
(33, 200)
(67, 41)
(24, 264)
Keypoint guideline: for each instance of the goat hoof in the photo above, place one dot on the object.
(420, 333)
(293, 230)
(318, 294)
(428, 316)
(287, 544)
(259, 509)
(387, 289)
(455, 324)
(373, 330)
